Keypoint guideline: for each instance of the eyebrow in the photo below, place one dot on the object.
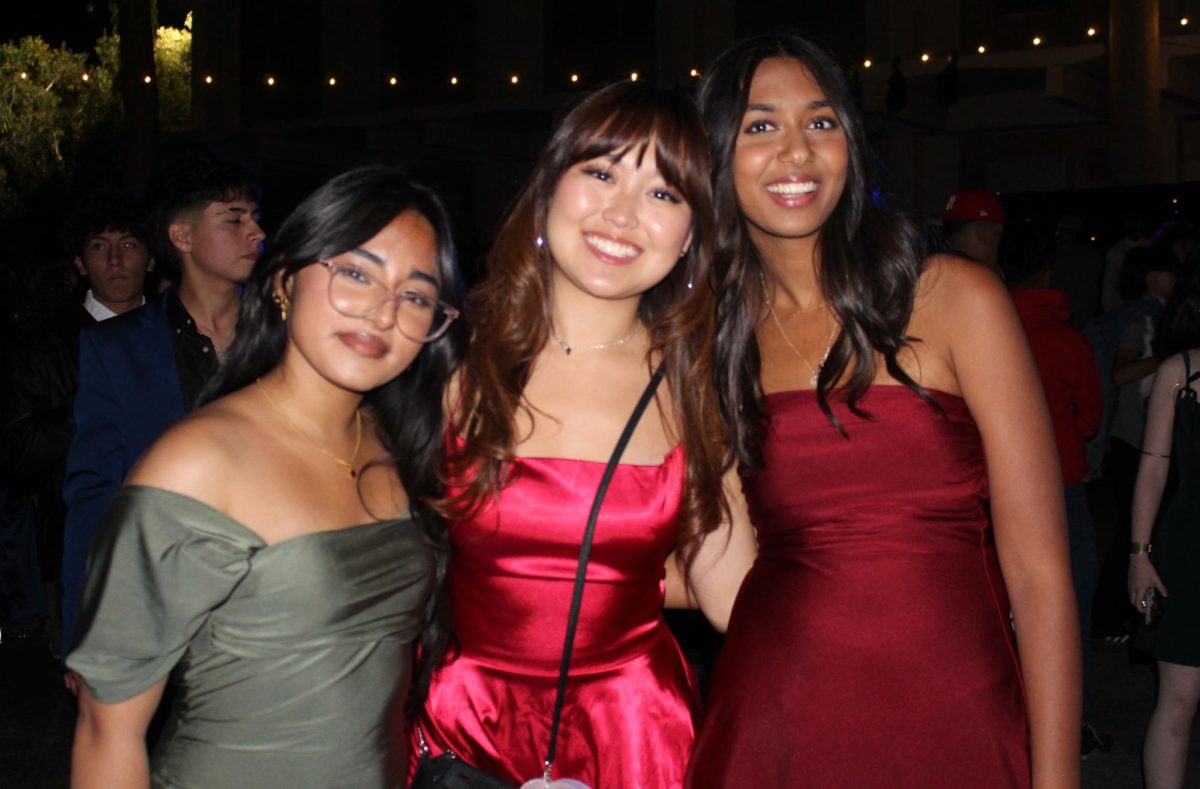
(121, 235)
(378, 261)
(818, 104)
(371, 256)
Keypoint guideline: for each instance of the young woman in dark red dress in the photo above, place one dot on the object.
(900, 470)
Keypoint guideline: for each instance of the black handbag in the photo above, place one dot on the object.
(447, 771)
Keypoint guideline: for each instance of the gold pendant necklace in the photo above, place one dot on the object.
(346, 464)
(815, 371)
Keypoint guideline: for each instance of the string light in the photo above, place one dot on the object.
(1174, 201)
(1091, 31)
(515, 79)
(574, 78)
(924, 57)
(332, 81)
(208, 79)
(633, 76)
(23, 75)
(453, 80)
(270, 81)
(392, 81)
(1183, 22)
(981, 49)
(146, 79)
(694, 72)
(1037, 41)
(867, 63)
(85, 76)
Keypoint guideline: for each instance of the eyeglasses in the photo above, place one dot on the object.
(420, 315)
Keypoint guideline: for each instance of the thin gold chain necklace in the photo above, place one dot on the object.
(346, 464)
(815, 371)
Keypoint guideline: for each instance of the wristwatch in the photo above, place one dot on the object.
(1139, 547)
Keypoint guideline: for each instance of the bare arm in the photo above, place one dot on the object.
(1000, 383)
(1129, 367)
(110, 741)
(720, 564)
(1152, 477)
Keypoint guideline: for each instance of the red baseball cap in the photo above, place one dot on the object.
(974, 205)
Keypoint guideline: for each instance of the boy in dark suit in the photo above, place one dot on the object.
(142, 372)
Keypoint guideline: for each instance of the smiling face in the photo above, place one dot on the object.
(115, 263)
(790, 156)
(360, 354)
(615, 227)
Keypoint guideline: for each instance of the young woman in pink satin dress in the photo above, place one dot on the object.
(900, 470)
(599, 274)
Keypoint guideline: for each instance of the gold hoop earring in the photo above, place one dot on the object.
(283, 303)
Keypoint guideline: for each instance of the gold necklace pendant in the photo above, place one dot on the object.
(815, 372)
(348, 465)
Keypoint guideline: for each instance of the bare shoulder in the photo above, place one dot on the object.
(1172, 369)
(950, 284)
(200, 456)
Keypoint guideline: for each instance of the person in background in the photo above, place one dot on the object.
(107, 238)
(1148, 280)
(972, 226)
(1133, 234)
(1164, 553)
(1078, 267)
(141, 373)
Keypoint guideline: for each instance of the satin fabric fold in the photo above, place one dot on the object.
(870, 645)
(628, 716)
(284, 659)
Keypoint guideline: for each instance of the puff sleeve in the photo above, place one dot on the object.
(160, 564)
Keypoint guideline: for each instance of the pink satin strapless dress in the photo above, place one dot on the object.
(628, 716)
(870, 644)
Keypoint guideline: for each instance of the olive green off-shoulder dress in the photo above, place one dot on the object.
(285, 659)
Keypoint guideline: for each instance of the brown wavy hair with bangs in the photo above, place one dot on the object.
(509, 311)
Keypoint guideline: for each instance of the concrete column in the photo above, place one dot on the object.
(1133, 78)
(217, 52)
(511, 41)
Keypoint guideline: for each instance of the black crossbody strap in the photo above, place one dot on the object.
(585, 551)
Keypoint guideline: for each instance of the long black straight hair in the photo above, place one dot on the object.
(345, 213)
(869, 257)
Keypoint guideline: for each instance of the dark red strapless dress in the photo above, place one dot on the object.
(870, 645)
(628, 716)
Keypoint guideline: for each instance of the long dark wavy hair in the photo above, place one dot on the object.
(341, 215)
(510, 308)
(869, 257)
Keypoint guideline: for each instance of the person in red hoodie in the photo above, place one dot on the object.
(1071, 381)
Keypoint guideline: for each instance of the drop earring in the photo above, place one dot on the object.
(283, 303)
(539, 241)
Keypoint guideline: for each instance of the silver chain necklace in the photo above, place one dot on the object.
(568, 348)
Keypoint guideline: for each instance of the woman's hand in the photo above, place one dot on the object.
(1142, 578)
